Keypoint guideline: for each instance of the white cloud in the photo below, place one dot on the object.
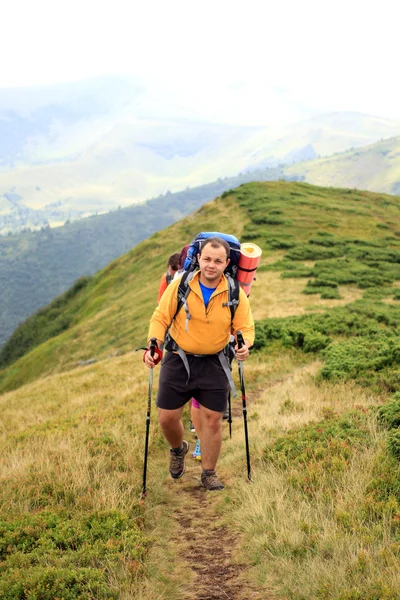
(216, 56)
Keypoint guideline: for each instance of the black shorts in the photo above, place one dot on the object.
(208, 382)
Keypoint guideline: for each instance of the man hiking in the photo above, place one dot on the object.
(193, 365)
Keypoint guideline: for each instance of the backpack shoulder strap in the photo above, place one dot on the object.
(183, 292)
(233, 294)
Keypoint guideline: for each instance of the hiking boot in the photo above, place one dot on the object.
(210, 481)
(177, 461)
(197, 452)
(225, 414)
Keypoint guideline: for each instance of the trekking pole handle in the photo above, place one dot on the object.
(240, 339)
(153, 346)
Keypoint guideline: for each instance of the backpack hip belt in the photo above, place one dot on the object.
(170, 345)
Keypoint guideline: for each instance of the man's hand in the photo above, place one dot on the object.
(243, 352)
(152, 355)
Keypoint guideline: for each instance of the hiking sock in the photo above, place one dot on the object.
(178, 450)
(207, 472)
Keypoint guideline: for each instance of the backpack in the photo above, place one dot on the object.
(191, 266)
(191, 258)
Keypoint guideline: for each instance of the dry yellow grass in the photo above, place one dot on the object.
(283, 297)
(81, 432)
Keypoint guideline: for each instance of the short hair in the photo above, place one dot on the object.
(216, 242)
(173, 261)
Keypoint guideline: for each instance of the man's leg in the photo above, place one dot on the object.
(211, 437)
(172, 426)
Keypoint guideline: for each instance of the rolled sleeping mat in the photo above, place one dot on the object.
(249, 259)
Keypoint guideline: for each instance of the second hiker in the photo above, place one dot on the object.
(166, 278)
(194, 364)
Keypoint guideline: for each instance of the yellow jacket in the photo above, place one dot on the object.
(209, 328)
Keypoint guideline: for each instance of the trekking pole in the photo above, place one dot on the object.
(240, 342)
(153, 344)
(231, 355)
(230, 415)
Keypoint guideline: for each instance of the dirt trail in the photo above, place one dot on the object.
(207, 546)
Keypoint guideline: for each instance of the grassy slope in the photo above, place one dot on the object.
(111, 313)
(373, 167)
(324, 506)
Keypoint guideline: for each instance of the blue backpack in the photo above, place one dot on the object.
(191, 262)
(191, 265)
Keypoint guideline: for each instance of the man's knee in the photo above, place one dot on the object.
(169, 418)
(212, 419)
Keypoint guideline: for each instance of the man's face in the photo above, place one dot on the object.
(213, 263)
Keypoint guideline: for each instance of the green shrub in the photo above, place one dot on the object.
(228, 193)
(330, 294)
(268, 220)
(279, 244)
(49, 583)
(389, 414)
(315, 341)
(317, 454)
(313, 252)
(52, 555)
(369, 348)
(298, 272)
(359, 358)
(327, 240)
(383, 488)
(318, 283)
(300, 336)
(394, 443)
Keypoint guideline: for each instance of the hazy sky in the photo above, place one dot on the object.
(216, 57)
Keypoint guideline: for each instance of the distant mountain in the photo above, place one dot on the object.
(375, 167)
(321, 136)
(78, 149)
